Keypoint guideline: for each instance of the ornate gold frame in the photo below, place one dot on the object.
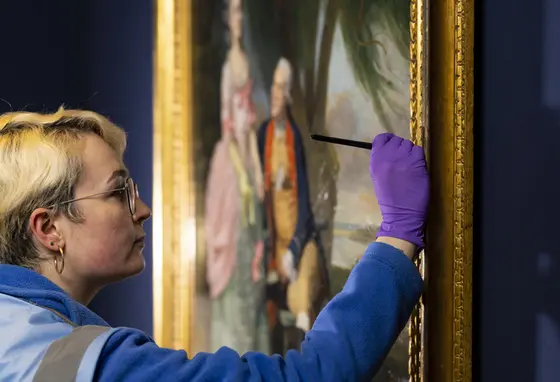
(443, 345)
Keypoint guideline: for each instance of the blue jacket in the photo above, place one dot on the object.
(348, 342)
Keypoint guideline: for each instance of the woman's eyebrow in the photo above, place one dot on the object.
(120, 173)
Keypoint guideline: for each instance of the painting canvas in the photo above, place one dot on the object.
(281, 219)
(244, 84)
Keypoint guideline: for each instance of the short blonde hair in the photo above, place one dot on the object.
(40, 165)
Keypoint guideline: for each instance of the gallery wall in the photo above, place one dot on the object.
(93, 54)
(120, 38)
(517, 254)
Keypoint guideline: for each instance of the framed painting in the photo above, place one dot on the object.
(240, 188)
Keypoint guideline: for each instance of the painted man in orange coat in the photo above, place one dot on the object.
(296, 269)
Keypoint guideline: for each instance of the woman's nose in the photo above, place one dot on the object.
(143, 212)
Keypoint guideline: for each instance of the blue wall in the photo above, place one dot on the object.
(94, 54)
(42, 54)
(120, 71)
(518, 195)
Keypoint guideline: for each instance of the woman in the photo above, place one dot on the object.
(234, 228)
(71, 223)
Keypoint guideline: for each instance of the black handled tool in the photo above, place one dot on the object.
(341, 141)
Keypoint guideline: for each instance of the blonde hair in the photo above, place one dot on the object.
(40, 165)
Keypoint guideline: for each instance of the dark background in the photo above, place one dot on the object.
(98, 54)
(517, 246)
(94, 54)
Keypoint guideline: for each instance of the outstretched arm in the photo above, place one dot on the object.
(348, 342)
(353, 334)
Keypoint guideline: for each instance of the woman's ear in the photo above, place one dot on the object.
(45, 230)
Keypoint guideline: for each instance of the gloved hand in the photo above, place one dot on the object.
(400, 179)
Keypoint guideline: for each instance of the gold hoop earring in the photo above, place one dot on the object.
(62, 261)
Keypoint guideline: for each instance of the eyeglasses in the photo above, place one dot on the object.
(130, 188)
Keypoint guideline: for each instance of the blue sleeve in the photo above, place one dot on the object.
(349, 341)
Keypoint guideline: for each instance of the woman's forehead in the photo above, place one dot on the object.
(100, 161)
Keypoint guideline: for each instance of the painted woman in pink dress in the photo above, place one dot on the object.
(234, 223)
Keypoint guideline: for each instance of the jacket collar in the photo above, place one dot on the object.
(28, 285)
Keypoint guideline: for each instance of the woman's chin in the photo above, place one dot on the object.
(137, 264)
(134, 266)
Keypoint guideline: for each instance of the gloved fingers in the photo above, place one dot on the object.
(394, 143)
(380, 140)
(417, 153)
(406, 146)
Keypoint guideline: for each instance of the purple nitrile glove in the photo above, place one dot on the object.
(402, 186)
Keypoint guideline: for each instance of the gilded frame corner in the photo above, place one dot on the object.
(441, 89)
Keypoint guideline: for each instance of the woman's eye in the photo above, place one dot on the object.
(118, 193)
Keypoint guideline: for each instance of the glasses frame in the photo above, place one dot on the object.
(129, 187)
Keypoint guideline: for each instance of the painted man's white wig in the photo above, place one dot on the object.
(285, 67)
